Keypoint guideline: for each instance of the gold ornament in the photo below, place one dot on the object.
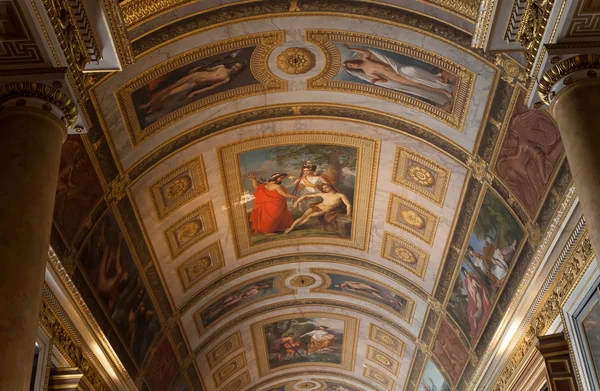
(382, 359)
(177, 187)
(404, 255)
(296, 61)
(413, 219)
(302, 281)
(188, 231)
(421, 176)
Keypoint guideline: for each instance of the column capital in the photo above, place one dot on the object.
(566, 73)
(24, 94)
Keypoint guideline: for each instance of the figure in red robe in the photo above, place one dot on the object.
(478, 307)
(270, 213)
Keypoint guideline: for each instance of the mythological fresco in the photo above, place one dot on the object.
(78, 189)
(490, 255)
(432, 379)
(289, 340)
(110, 269)
(382, 68)
(305, 192)
(337, 386)
(354, 285)
(299, 190)
(192, 82)
(240, 297)
(529, 155)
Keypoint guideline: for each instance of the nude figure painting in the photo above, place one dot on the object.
(396, 72)
(299, 190)
(109, 268)
(303, 187)
(192, 82)
(491, 254)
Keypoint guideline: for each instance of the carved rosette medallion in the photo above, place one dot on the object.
(296, 61)
(302, 281)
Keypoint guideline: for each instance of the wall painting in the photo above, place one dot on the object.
(494, 243)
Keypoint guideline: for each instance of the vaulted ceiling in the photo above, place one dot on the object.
(442, 180)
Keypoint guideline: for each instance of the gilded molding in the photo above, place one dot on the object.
(71, 42)
(559, 287)
(119, 30)
(66, 338)
(421, 175)
(87, 316)
(24, 89)
(563, 70)
(534, 20)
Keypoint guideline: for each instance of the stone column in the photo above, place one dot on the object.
(33, 126)
(573, 90)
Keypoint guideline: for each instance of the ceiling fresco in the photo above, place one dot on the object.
(325, 195)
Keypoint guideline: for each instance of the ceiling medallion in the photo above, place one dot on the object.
(178, 187)
(296, 61)
(302, 281)
(412, 218)
(421, 176)
(405, 255)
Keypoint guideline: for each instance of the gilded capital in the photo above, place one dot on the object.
(566, 72)
(42, 96)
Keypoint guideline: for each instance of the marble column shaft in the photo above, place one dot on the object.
(577, 113)
(30, 147)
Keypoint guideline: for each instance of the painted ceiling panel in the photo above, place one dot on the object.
(330, 198)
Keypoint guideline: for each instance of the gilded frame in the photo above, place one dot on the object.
(324, 288)
(378, 377)
(238, 382)
(199, 186)
(209, 226)
(364, 188)
(431, 220)
(393, 344)
(235, 342)
(377, 356)
(402, 166)
(267, 82)
(278, 285)
(233, 365)
(351, 326)
(325, 40)
(215, 254)
(422, 259)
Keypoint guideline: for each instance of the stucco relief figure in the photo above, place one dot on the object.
(78, 189)
(270, 213)
(376, 68)
(530, 153)
(449, 351)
